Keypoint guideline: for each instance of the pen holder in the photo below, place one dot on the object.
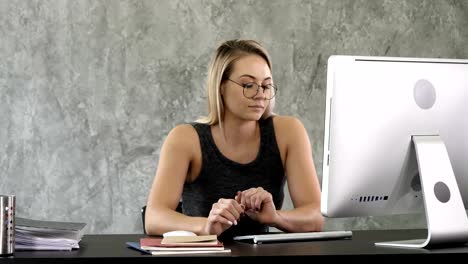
(7, 224)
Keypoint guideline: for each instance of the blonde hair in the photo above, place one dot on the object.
(219, 70)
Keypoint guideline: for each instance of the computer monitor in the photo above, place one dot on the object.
(396, 142)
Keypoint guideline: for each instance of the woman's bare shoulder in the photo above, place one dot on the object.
(183, 134)
(287, 124)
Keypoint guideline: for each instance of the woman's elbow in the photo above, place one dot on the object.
(152, 225)
(319, 222)
(316, 222)
(150, 229)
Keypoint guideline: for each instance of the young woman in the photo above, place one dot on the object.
(229, 168)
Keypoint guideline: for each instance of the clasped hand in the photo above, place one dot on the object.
(256, 203)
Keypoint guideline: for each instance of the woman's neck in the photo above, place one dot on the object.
(238, 132)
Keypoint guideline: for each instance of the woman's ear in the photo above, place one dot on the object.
(222, 88)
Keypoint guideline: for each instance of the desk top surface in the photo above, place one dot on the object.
(361, 244)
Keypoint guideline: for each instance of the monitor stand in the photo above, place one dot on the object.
(447, 222)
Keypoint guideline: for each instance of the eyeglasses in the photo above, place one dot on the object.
(251, 89)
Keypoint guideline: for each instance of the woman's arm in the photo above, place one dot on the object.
(174, 161)
(302, 180)
(178, 153)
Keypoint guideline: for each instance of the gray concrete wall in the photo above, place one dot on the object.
(89, 89)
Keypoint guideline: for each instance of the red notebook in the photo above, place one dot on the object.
(152, 243)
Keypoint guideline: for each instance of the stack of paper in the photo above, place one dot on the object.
(47, 235)
(178, 245)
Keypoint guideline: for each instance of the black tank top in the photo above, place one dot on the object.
(221, 177)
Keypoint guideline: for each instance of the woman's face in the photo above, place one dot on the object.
(247, 69)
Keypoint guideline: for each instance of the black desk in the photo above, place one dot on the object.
(360, 247)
